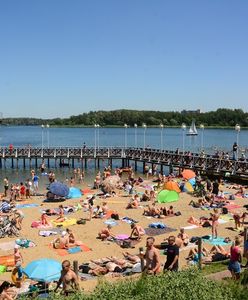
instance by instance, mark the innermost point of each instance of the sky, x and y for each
(65, 57)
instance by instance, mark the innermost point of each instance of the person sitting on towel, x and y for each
(137, 231)
(183, 236)
(61, 242)
(105, 233)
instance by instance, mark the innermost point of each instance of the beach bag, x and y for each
(178, 213)
(224, 210)
(115, 217)
(194, 239)
(126, 244)
(81, 221)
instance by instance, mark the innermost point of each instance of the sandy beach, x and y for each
(87, 233)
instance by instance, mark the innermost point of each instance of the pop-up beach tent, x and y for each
(166, 196)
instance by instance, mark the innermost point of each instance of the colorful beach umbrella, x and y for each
(74, 193)
(172, 186)
(59, 189)
(166, 196)
(188, 187)
(188, 174)
(44, 269)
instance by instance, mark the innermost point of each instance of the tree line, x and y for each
(222, 117)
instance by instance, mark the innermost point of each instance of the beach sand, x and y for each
(87, 233)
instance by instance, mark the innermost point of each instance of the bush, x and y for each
(184, 285)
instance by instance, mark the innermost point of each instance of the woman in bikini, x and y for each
(215, 217)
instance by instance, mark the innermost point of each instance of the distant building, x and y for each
(188, 112)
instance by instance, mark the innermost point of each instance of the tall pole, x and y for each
(161, 136)
(135, 135)
(237, 128)
(42, 136)
(95, 125)
(144, 126)
(183, 130)
(125, 136)
(48, 141)
(202, 130)
(98, 139)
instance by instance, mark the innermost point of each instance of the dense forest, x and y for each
(220, 118)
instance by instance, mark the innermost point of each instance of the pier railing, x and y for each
(153, 156)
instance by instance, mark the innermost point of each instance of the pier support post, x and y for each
(161, 169)
(36, 162)
(24, 163)
(85, 163)
(12, 163)
(135, 165)
(73, 165)
(98, 163)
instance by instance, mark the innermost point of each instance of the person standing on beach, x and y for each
(69, 279)
(215, 217)
(235, 259)
(172, 252)
(36, 183)
(6, 186)
(235, 151)
(152, 257)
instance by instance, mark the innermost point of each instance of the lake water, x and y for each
(168, 138)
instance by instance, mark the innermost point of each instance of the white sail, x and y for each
(192, 129)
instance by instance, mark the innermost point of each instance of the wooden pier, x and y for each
(69, 156)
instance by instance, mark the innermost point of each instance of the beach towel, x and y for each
(122, 236)
(110, 222)
(191, 227)
(27, 205)
(232, 206)
(157, 225)
(66, 223)
(24, 243)
(64, 252)
(37, 224)
(88, 191)
(216, 241)
(158, 231)
(7, 246)
(128, 220)
(46, 233)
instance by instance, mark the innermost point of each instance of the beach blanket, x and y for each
(110, 222)
(28, 205)
(66, 223)
(216, 241)
(158, 231)
(64, 252)
(128, 220)
(7, 246)
(88, 191)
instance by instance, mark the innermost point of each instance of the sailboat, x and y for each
(192, 129)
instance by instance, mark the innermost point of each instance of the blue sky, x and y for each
(65, 57)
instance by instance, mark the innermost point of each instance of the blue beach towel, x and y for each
(218, 241)
(157, 225)
(110, 222)
(27, 205)
(74, 250)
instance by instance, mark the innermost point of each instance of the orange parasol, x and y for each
(172, 186)
(188, 174)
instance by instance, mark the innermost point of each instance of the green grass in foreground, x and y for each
(184, 285)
